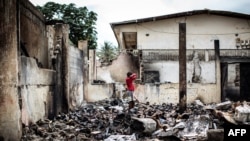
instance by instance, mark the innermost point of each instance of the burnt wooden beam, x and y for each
(182, 67)
(220, 77)
(217, 49)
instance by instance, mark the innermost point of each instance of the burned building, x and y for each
(199, 54)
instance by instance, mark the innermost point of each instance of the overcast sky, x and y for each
(122, 10)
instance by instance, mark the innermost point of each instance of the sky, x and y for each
(110, 11)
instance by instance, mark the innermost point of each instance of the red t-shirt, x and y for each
(129, 82)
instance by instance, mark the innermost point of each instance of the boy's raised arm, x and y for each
(133, 76)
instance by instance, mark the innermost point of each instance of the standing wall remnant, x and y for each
(31, 88)
(9, 99)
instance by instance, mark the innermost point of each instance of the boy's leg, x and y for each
(134, 98)
(129, 95)
(131, 100)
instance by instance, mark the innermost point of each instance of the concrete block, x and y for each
(242, 113)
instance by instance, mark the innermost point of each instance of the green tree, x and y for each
(107, 53)
(81, 21)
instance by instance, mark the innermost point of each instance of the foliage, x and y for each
(107, 53)
(81, 21)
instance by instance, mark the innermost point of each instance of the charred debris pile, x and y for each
(110, 120)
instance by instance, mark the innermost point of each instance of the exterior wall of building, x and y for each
(201, 31)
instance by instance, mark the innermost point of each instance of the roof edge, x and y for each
(181, 14)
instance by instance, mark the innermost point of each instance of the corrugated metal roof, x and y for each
(182, 14)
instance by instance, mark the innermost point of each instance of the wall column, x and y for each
(61, 96)
(83, 45)
(182, 68)
(92, 65)
(218, 68)
(10, 115)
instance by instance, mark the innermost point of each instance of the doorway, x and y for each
(235, 83)
(244, 81)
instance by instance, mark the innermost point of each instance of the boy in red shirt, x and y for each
(130, 87)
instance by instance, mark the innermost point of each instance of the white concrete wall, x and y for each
(76, 78)
(98, 92)
(169, 93)
(36, 90)
(34, 103)
(92, 65)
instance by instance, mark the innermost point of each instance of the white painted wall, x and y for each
(169, 71)
(201, 31)
(208, 74)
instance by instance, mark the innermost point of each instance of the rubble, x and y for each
(121, 138)
(145, 125)
(242, 113)
(111, 120)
